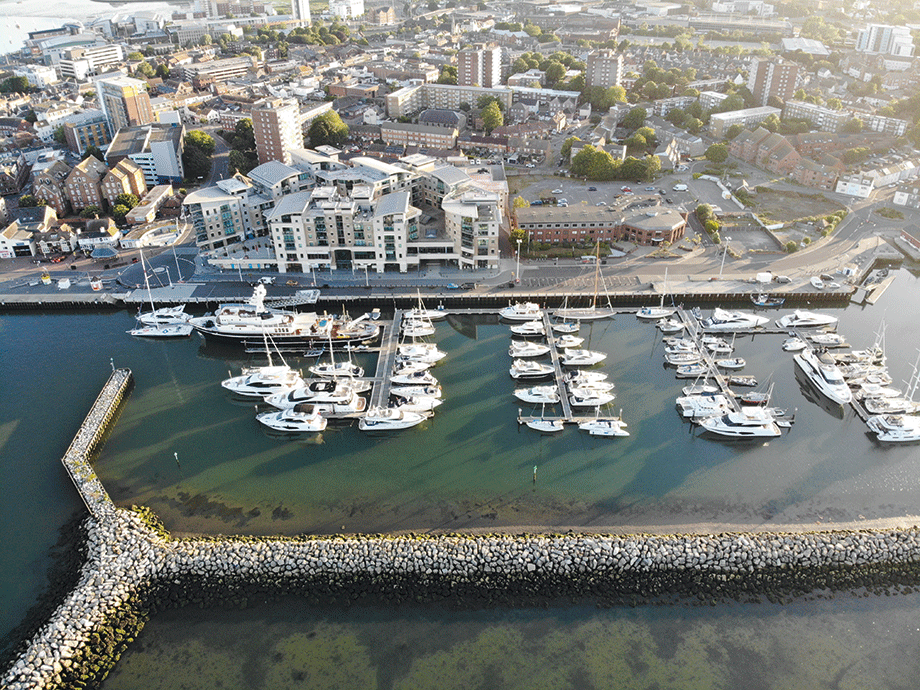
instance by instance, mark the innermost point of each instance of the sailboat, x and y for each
(335, 369)
(593, 312)
(661, 311)
(170, 322)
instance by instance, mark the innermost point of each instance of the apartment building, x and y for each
(83, 61)
(86, 129)
(124, 102)
(772, 78)
(446, 96)
(125, 178)
(886, 40)
(155, 148)
(829, 120)
(479, 66)
(83, 184)
(276, 127)
(720, 122)
(203, 74)
(605, 68)
(409, 134)
(48, 185)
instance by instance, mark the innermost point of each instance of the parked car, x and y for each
(557, 191)
(592, 189)
(536, 202)
(649, 189)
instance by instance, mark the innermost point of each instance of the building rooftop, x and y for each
(271, 173)
(289, 204)
(388, 204)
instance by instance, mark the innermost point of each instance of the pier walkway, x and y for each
(88, 438)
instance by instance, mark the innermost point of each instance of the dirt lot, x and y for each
(785, 206)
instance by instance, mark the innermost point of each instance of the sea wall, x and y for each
(134, 569)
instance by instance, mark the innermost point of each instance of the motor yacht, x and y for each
(409, 366)
(749, 422)
(794, 344)
(415, 328)
(568, 340)
(522, 311)
(806, 319)
(670, 325)
(895, 428)
(527, 349)
(419, 378)
(828, 339)
(547, 395)
(544, 426)
(416, 391)
(573, 357)
(700, 388)
(733, 363)
(601, 426)
(303, 418)
(339, 391)
(379, 419)
(580, 377)
(703, 405)
(262, 381)
(415, 403)
(164, 316)
(893, 405)
(824, 375)
(248, 322)
(527, 369)
(529, 329)
(423, 351)
(176, 330)
(725, 320)
(586, 397)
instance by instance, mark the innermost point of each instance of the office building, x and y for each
(300, 12)
(605, 68)
(480, 66)
(124, 102)
(771, 77)
(277, 130)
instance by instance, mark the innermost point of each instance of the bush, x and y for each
(806, 241)
(697, 176)
(791, 247)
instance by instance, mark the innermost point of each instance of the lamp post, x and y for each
(160, 269)
(517, 273)
(724, 252)
(367, 282)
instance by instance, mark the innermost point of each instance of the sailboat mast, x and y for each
(597, 270)
(147, 283)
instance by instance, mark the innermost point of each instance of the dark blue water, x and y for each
(470, 466)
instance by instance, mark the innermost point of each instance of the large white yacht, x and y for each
(547, 395)
(380, 419)
(601, 426)
(527, 349)
(526, 369)
(164, 316)
(529, 328)
(895, 428)
(339, 391)
(427, 352)
(336, 369)
(249, 321)
(522, 311)
(166, 330)
(421, 403)
(823, 372)
(419, 378)
(806, 319)
(305, 418)
(262, 381)
(423, 391)
(568, 340)
(589, 397)
(749, 422)
(574, 357)
(703, 405)
(725, 320)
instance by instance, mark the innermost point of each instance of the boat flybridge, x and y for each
(545, 395)
(806, 319)
(164, 316)
(522, 311)
(895, 428)
(303, 418)
(703, 405)
(264, 381)
(725, 320)
(339, 392)
(749, 422)
(529, 329)
(380, 419)
(528, 369)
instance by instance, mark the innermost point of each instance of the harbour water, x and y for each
(203, 464)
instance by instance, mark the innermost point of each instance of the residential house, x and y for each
(98, 232)
(48, 185)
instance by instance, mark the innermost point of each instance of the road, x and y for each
(220, 160)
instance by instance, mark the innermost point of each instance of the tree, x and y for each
(483, 102)
(852, 126)
(704, 212)
(119, 212)
(243, 137)
(30, 201)
(15, 85)
(567, 146)
(520, 202)
(492, 117)
(448, 75)
(733, 131)
(328, 130)
(635, 118)
(59, 135)
(206, 40)
(135, 56)
(717, 153)
(92, 211)
(694, 125)
(834, 103)
(632, 169)
(554, 72)
(162, 71)
(127, 199)
(652, 168)
(144, 70)
(196, 162)
(712, 226)
(93, 151)
(649, 134)
(242, 161)
(200, 140)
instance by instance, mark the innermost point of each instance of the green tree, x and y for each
(448, 75)
(30, 201)
(717, 153)
(704, 212)
(196, 162)
(59, 135)
(834, 103)
(567, 146)
(712, 226)
(554, 72)
(15, 85)
(93, 151)
(492, 117)
(243, 137)
(119, 212)
(127, 199)
(200, 140)
(242, 161)
(520, 202)
(162, 71)
(852, 126)
(693, 125)
(733, 132)
(635, 118)
(92, 211)
(649, 134)
(135, 55)
(328, 130)
(483, 102)
(144, 70)
(652, 168)
(633, 169)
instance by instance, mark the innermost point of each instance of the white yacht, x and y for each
(725, 320)
(336, 369)
(527, 369)
(339, 391)
(545, 426)
(573, 357)
(691, 371)
(703, 405)
(895, 428)
(409, 366)
(825, 375)
(586, 397)
(164, 316)
(262, 381)
(527, 349)
(420, 313)
(416, 328)
(580, 377)
(673, 344)
(175, 330)
(547, 395)
(419, 378)
(806, 319)
(565, 327)
(568, 340)
(828, 339)
(892, 405)
(242, 322)
(733, 363)
(718, 346)
(603, 426)
(390, 419)
(602, 386)
(417, 391)
(749, 422)
(794, 344)
(653, 313)
(700, 387)
(670, 325)
(681, 358)
(303, 418)
(414, 403)
(529, 328)
(522, 311)
(424, 351)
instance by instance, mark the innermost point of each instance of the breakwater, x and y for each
(134, 568)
